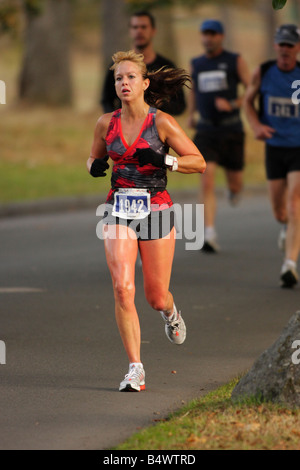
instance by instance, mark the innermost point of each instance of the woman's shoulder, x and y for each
(105, 118)
(164, 119)
(103, 121)
(166, 125)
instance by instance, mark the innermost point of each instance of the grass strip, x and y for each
(214, 422)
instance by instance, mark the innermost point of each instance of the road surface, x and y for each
(64, 357)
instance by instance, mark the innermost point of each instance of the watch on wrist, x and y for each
(171, 162)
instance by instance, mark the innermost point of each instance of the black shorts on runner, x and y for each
(281, 160)
(158, 224)
(224, 148)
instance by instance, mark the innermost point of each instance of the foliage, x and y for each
(34, 7)
(150, 4)
(9, 15)
(11, 10)
(278, 4)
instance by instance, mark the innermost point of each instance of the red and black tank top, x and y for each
(126, 172)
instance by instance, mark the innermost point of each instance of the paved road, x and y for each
(64, 357)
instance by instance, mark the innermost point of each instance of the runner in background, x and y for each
(142, 30)
(277, 122)
(216, 75)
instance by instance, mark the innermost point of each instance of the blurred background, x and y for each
(53, 58)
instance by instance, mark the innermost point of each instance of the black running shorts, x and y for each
(281, 160)
(158, 224)
(224, 148)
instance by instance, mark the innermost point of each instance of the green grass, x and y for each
(21, 182)
(214, 422)
(44, 153)
(29, 180)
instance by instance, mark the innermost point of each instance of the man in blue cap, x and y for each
(216, 75)
(277, 122)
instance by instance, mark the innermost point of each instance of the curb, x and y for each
(74, 203)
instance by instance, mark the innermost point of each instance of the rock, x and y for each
(275, 375)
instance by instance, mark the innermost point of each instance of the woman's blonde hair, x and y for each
(132, 56)
(165, 83)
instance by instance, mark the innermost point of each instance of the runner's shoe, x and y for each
(176, 329)
(134, 381)
(288, 276)
(282, 238)
(210, 240)
(233, 198)
(211, 246)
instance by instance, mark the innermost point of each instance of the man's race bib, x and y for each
(212, 81)
(282, 107)
(131, 203)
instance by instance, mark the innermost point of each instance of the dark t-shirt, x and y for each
(110, 102)
(216, 76)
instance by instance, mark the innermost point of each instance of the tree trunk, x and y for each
(115, 26)
(226, 18)
(270, 23)
(45, 76)
(294, 11)
(165, 40)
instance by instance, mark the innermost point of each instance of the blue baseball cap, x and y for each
(212, 25)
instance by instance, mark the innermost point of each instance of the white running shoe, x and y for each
(176, 329)
(282, 238)
(288, 276)
(134, 381)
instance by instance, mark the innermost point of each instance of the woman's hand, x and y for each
(146, 156)
(99, 166)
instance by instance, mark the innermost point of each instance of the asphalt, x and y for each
(64, 357)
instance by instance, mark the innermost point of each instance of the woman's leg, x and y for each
(121, 248)
(157, 259)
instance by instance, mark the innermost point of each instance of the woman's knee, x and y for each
(158, 300)
(124, 292)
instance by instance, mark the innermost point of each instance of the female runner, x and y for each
(139, 214)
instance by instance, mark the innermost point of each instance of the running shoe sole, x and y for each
(210, 248)
(288, 279)
(129, 388)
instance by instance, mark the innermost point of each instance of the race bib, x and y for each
(131, 203)
(282, 107)
(212, 81)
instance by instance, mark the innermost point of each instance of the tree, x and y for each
(45, 75)
(114, 29)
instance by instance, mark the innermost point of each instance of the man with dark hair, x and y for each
(142, 30)
(277, 122)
